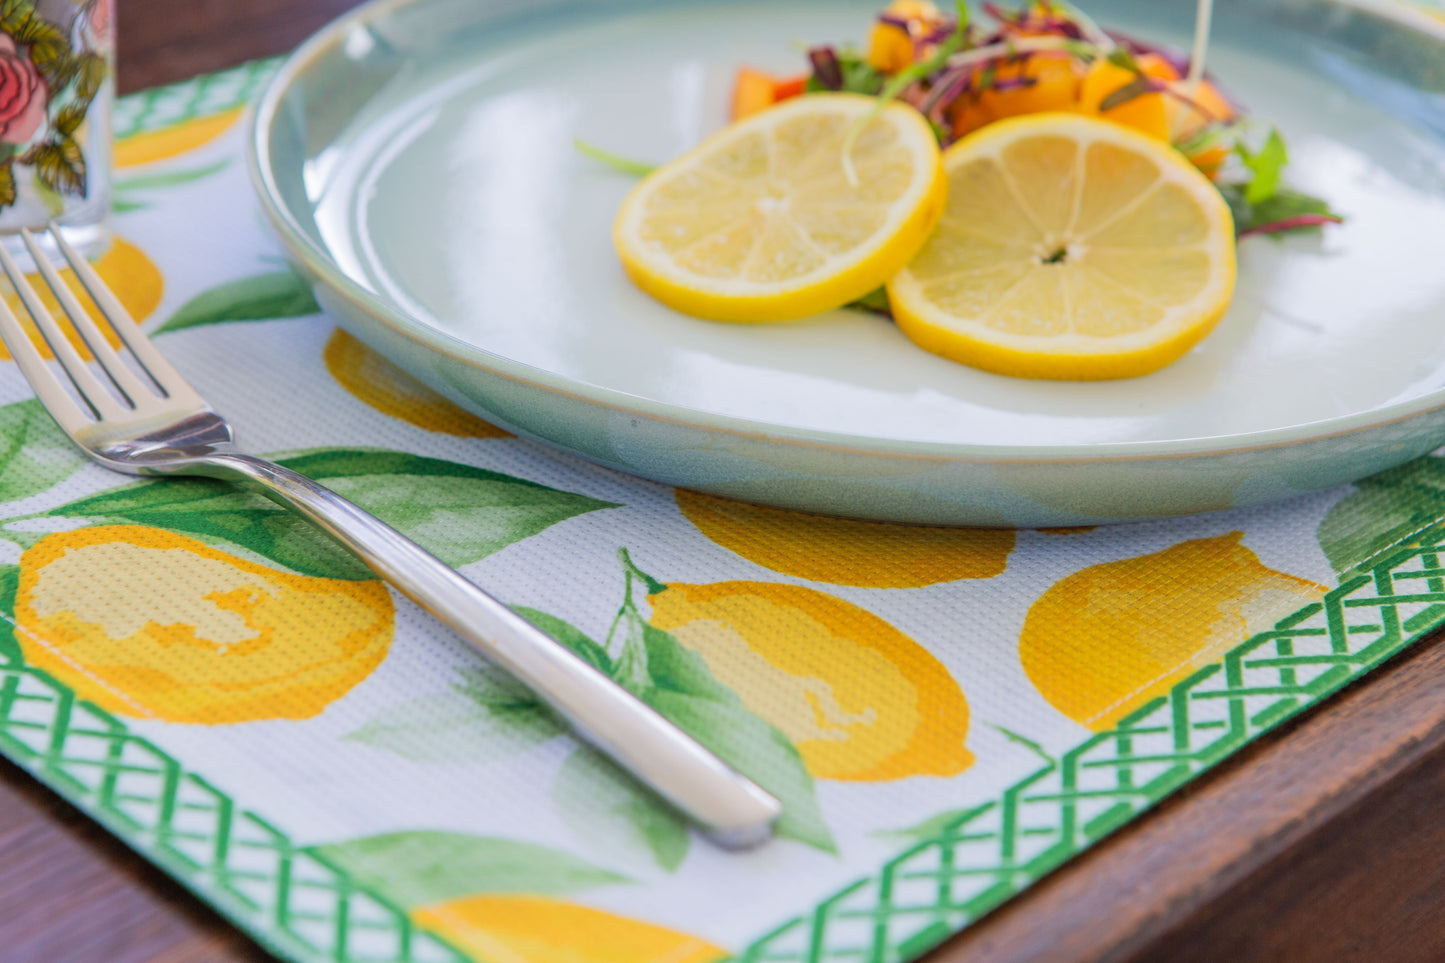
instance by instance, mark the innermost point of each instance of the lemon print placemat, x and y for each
(946, 714)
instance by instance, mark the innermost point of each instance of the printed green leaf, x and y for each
(601, 804)
(570, 636)
(9, 583)
(484, 716)
(145, 182)
(34, 455)
(423, 868)
(678, 683)
(265, 297)
(686, 692)
(459, 513)
(1382, 511)
(935, 826)
(124, 198)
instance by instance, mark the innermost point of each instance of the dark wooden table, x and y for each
(1322, 842)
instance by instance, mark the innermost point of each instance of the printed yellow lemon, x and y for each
(761, 222)
(372, 379)
(843, 551)
(861, 701)
(1071, 248)
(1108, 639)
(145, 622)
(150, 146)
(536, 929)
(131, 275)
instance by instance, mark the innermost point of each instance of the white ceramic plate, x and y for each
(417, 159)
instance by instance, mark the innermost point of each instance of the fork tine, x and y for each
(137, 392)
(166, 377)
(101, 401)
(43, 382)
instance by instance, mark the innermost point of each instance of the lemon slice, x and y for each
(1071, 248)
(761, 223)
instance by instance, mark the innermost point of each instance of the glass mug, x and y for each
(56, 91)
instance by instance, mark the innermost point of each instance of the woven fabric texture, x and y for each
(946, 714)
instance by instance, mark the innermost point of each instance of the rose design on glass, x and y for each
(97, 23)
(23, 95)
(47, 86)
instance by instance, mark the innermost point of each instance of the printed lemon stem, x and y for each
(625, 642)
(1026, 742)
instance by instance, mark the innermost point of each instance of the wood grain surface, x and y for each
(1322, 842)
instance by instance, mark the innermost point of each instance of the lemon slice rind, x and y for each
(758, 223)
(978, 293)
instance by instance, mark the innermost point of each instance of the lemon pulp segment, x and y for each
(762, 223)
(1070, 248)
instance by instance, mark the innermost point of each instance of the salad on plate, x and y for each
(1022, 191)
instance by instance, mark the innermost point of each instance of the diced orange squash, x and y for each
(1148, 113)
(756, 90)
(789, 87)
(1055, 86)
(891, 47)
(752, 92)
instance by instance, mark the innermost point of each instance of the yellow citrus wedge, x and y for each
(761, 223)
(1071, 248)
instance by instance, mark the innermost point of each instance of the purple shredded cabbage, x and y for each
(826, 69)
(1291, 224)
(1014, 83)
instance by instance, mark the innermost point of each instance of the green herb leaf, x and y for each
(875, 302)
(424, 868)
(265, 297)
(901, 81)
(620, 164)
(1267, 165)
(1134, 89)
(1121, 57)
(1282, 206)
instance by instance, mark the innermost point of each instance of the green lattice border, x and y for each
(301, 907)
(204, 96)
(988, 854)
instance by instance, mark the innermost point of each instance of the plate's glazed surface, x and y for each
(417, 158)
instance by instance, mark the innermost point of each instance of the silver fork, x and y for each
(165, 428)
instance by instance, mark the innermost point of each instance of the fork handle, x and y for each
(730, 808)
